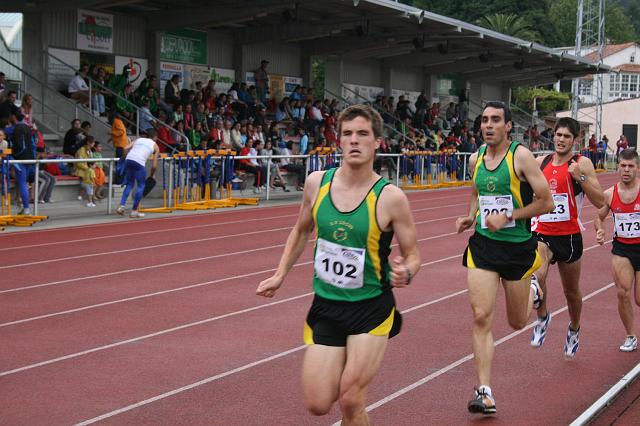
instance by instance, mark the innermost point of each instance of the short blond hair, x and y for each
(364, 111)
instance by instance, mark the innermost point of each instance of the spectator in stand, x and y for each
(73, 138)
(180, 135)
(98, 103)
(84, 172)
(316, 113)
(200, 116)
(215, 134)
(262, 82)
(296, 95)
(261, 116)
(125, 105)
(252, 166)
(78, 89)
(298, 111)
(226, 135)
(8, 106)
(276, 178)
(331, 135)
(189, 120)
(212, 117)
(290, 164)
(178, 113)
(150, 82)
(196, 136)
(4, 144)
(210, 94)
(304, 140)
(239, 107)
(151, 96)
(146, 119)
(3, 82)
(118, 135)
(166, 141)
(236, 137)
(27, 111)
(172, 93)
(22, 149)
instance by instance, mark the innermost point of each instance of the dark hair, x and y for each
(151, 133)
(85, 124)
(568, 123)
(629, 154)
(499, 105)
(19, 116)
(364, 111)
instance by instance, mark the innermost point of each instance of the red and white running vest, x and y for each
(626, 219)
(567, 197)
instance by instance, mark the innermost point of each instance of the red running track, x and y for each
(156, 322)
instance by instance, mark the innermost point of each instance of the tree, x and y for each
(512, 25)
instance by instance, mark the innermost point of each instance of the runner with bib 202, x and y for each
(501, 249)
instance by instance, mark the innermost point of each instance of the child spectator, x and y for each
(88, 181)
(3, 141)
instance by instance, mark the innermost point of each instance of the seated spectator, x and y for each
(216, 133)
(3, 82)
(200, 116)
(290, 164)
(166, 141)
(296, 95)
(210, 95)
(172, 91)
(195, 136)
(125, 104)
(316, 112)
(27, 111)
(276, 179)
(98, 102)
(282, 110)
(250, 165)
(73, 138)
(261, 116)
(236, 137)
(3, 141)
(151, 97)
(239, 107)
(180, 136)
(178, 114)
(146, 119)
(8, 105)
(189, 120)
(78, 89)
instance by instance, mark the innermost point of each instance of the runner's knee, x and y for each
(317, 406)
(481, 316)
(517, 323)
(352, 400)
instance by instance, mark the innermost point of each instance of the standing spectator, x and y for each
(83, 171)
(23, 149)
(78, 89)
(27, 111)
(119, 135)
(304, 140)
(262, 82)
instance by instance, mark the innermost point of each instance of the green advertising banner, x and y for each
(187, 46)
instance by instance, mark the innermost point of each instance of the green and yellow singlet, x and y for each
(351, 251)
(500, 191)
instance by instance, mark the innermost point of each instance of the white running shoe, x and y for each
(572, 343)
(120, 210)
(136, 214)
(540, 331)
(483, 402)
(538, 295)
(630, 344)
(91, 205)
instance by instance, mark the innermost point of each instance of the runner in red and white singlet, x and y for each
(570, 178)
(623, 200)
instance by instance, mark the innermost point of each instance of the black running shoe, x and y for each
(483, 403)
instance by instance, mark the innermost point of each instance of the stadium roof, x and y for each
(397, 34)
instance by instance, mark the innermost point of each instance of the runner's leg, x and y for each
(623, 276)
(321, 371)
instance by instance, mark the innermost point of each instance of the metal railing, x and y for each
(386, 125)
(93, 84)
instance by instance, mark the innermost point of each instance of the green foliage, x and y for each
(512, 25)
(554, 21)
(547, 101)
(317, 75)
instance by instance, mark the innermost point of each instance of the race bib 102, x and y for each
(338, 265)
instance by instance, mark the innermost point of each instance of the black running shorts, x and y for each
(330, 322)
(512, 261)
(630, 251)
(565, 248)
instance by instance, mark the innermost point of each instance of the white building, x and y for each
(623, 82)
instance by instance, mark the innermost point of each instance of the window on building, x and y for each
(586, 87)
(633, 83)
(632, 59)
(624, 87)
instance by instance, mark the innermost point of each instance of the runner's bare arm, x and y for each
(528, 169)
(407, 265)
(590, 186)
(602, 215)
(465, 222)
(154, 160)
(297, 239)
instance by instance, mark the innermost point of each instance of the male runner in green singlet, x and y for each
(356, 213)
(506, 175)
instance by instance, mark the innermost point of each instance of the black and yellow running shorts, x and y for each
(512, 261)
(630, 251)
(330, 322)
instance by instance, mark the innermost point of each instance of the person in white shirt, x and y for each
(78, 89)
(135, 173)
